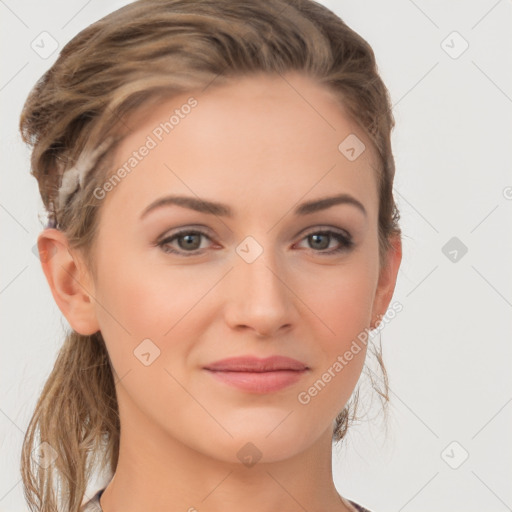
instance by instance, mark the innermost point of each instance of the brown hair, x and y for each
(142, 51)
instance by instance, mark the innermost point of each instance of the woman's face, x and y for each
(183, 285)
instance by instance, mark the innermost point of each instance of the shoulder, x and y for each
(92, 505)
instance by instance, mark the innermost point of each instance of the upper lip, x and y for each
(255, 364)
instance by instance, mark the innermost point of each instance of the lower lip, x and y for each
(259, 382)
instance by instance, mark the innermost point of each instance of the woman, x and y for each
(222, 236)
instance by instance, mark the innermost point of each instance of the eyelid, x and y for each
(316, 229)
(208, 232)
(185, 229)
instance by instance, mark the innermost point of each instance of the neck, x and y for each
(157, 472)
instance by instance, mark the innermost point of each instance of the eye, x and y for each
(189, 241)
(321, 240)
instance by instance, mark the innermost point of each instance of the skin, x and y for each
(259, 147)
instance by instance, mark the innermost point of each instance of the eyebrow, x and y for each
(223, 210)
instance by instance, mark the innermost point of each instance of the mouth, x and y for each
(259, 382)
(256, 364)
(255, 375)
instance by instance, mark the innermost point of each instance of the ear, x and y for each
(71, 285)
(387, 280)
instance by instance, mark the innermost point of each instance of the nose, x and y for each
(259, 297)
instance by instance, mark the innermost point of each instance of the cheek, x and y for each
(342, 300)
(341, 303)
(342, 314)
(139, 301)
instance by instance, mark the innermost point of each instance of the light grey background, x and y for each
(448, 352)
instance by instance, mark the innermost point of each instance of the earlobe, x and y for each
(71, 289)
(387, 280)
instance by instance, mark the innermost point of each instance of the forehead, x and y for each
(260, 137)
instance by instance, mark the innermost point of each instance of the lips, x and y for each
(256, 375)
(256, 365)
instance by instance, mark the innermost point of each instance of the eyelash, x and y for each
(346, 242)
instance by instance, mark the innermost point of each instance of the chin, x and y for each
(263, 440)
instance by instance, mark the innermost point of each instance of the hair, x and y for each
(144, 51)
